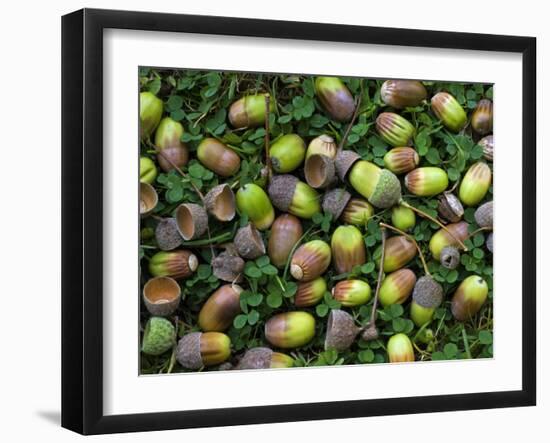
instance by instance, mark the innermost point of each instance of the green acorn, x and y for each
(482, 117)
(161, 296)
(286, 231)
(175, 264)
(254, 202)
(218, 157)
(348, 248)
(403, 218)
(310, 293)
(310, 260)
(335, 98)
(469, 297)
(357, 212)
(323, 145)
(220, 309)
(379, 186)
(287, 153)
(403, 93)
(397, 287)
(264, 358)
(421, 315)
(401, 160)
(400, 349)
(168, 140)
(159, 336)
(427, 181)
(290, 329)
(147, 170)
(289, 194)
(442, 238)
(280, 360)
(199, 349)
(351, 293)
(399, 251)
(150, 113)
(394, 129)
(475, 184)
(249, 111)
(449, 111)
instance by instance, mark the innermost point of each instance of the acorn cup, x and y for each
(310, 293)
(450, 257)
(379, 186)
(482, 117)
(199, 349)
(310, 260)
(343, 162)
(450, 208)
(220, 202)
(264, 358)
(249, 242)
(357, 212)
(249, 111)
(426, 181)
(176, 264)
(348, 248)
(288, 194)
(335, 98)
(323, 145)
(147, 170)
(167, 235)
(254, 202)
(217, 157)
(287, 153)
(335, 201)
(400, 349)
(228, 266)
(397, 287)
(290, 329)
(403, 217)
(319, 171)
(401, 160)
(148, 199)
(489, 242)
(191, 220)
(442, 238)
(341, 330)
(221, 308)
(447, 109)
(403, 93)
(394, 129)
(351, 293)
(168, 141)
(427, 296)
(469, 297)
(488, 145)
(159, 336)
(286, 231)
(399, 251)
(161, 296)
(150, 113)
(475, 184)
(484, 215)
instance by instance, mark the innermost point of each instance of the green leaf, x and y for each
(438, 356)
(321, 310)
(254, 299)
(252, 271)
(239, 321)
(274, 300)
(452, 276)
(450, 350)
(269, 270)
(204, 271)
(366, 356)
(253, 317)
(398, 324)
(367, 268)
(485, 337)
(396, 310)
(262, 261)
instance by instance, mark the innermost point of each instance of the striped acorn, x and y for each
(287, 153)
(218, 157)
(484, 215)
(290, 329)
(341, 330)
(488, 145)
(448, 110)
(352, 293)
(150, 113)
(254, 202)
(264, 358)
(199, 349)
(147, 170)
(482, 117)
(175, 264)
(221, 308)
(394, 129)
(379, 186)
(335, 98)
(399, 251)
(348, 248)
(403, 93)
(397, 287)
(168, 140)
(403, 218)
(427, 181)
(357, 212)
(161, 296)
(310, 260)
(249, 111)
(289, 194)
(310, 293)
(159, 336)
(323, 145)
(148, 199)
(475, 184)
(400, 349)
(401, 160)
(286, 231)
(469, 297)
(442, 238)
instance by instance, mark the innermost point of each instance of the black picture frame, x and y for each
(82, 218)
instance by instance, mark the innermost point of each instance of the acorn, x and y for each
(343, 162)
(394, 129)
(475, 184)
(228, 267)
(427, 181)
(310, 260)
(167, 235)
(341, 330)
(421, 315)
(335, 201)
(168, 140)
(249, 242)
(319, 171)
(484, 215)
(489, 242)
(400, 349)
(351, 293)
(379, 186)
(335, 98)
(399, 251)
(447, 109)
(290, 329)
(403, 93)
(324, 145)
(220, 202)
(191, 220)
(348, 248)
(264, 358)
(161, 296)
(199, 349)
(450, 208)
(172, 155)
(148, 199)
(287, 153)
(482, 117)
(218, 157)
(357, 212)
(286, 231)
(449, 257)
(159, 336)
(310, 293)
(403, 218)
(220, 309)
(469, 297)
(442, 238)
(147, 170)
(401, 160)
(150, 113)
(488, 145)
(289, 194)
(427, 292)
(249, 111)
(397, 287)
(254, 202)
(175, 264)
(280, 360)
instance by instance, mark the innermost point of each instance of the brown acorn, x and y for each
(192, 220)
(357, 212)
(286, 231)
(319, 171)
(401, 160)
(399, 251)
(172, 155)
(161, 296)
(175, 264)
(348, 248)
(450, 207)
(351, 293)
(310, 293)
(218, 157)
(442, 237)
(484, 215)
(334, 201)
(469, 297)
(482, 117)
(220, 202)
(167, 235)
(249, 111)
(310, 260)
(249, 242)
(173, 152)
(228, 267)
(199, 349)
(335, 98)
(221, 308)
(403, 93)
(148, 199)
(341, 330)
(488, 145)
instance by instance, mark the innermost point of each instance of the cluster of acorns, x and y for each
(322, 185)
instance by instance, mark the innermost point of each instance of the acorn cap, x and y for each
(249, 242)
(489, 242)
(158, 337)
(344, 161)
(256, 358)
(427, 292)
(281, 191)
(188, 353)
(191, 220)
(341, 330)
(167, 234)
(450, 207)
(228, 267)
(335, 201)
(220, 202)
(387, 191)
(319, 171)
(148, 199)
(450, 257)
(161, 296)
(484, 215)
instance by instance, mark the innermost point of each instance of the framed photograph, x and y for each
(273, 221)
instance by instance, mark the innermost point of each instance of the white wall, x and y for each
(30, 250)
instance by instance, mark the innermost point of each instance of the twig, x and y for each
(352, 121)
(411, 238)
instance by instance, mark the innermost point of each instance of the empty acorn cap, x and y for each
(161, 296)
(450, 257)
(220, 202)
(249, 242)
(228, 267)
(341, 330)
(319, 171)
(167, 234)
(189, 351)
(192, 220)
(256, 358)
(281, 191)
(484, 215)
(427, 292)
(148, 199)
(335, 201)
(344, 161)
